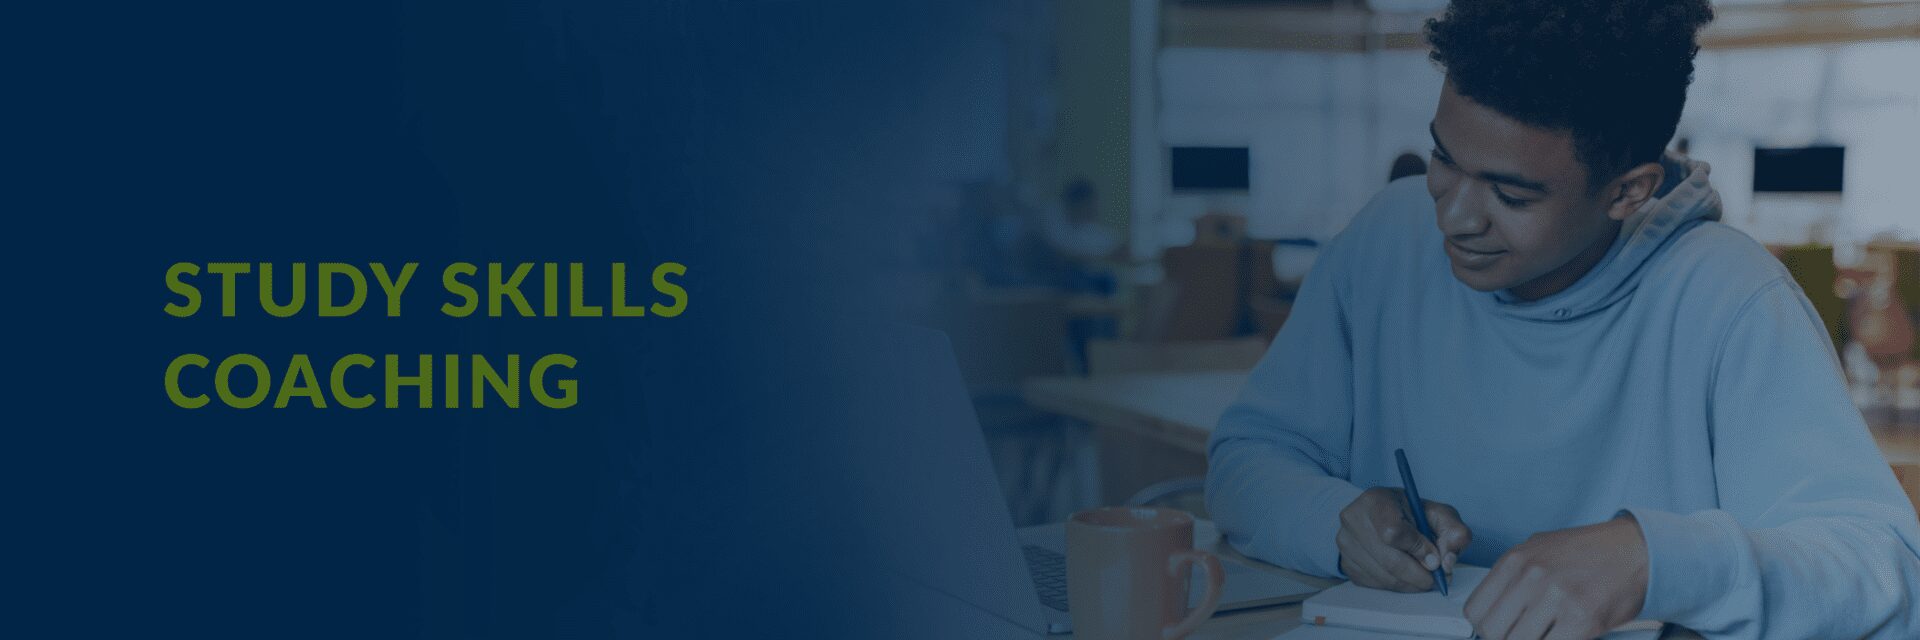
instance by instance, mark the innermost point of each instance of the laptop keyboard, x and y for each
(1049, 570)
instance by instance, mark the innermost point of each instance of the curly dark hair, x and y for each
(1613, 73)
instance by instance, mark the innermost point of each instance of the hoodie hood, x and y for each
(1684, 200)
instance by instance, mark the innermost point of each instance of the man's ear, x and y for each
(1634, 188)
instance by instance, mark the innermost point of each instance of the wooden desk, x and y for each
(1136, 417)
(1180, 409)
(1268, 622)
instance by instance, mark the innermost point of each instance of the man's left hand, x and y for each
(1571, 584)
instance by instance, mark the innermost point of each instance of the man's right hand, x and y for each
(1381, 548)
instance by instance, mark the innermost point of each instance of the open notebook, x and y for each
(1350, 611)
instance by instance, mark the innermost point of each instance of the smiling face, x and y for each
(1513, 201)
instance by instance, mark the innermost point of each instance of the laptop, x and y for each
(942, 503)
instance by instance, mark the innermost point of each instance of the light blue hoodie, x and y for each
(1685, 379)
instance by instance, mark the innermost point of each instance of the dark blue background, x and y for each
(769, 146)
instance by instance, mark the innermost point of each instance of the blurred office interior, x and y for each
(1154, 178)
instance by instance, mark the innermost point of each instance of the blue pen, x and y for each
(1419, 509)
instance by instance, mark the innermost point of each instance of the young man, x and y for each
(1626, 408)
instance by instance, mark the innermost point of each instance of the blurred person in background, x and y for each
(1073, 229)
(1090, 252)
(1003, 247)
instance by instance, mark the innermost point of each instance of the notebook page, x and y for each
(1352, 611)
(1426, 614)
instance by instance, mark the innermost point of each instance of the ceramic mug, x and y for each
(1127, 571)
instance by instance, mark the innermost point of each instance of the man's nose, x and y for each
(1460, 214)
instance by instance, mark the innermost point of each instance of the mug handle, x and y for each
(1216, 578)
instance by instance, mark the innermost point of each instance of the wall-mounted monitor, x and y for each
(1799, 169)
(1209, 169)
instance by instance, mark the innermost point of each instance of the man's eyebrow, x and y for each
(1490, 176)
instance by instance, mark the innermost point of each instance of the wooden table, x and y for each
(1136, 417)
(1180, 409)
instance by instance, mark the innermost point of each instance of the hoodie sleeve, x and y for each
(1278, 460)
(1813, 537)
